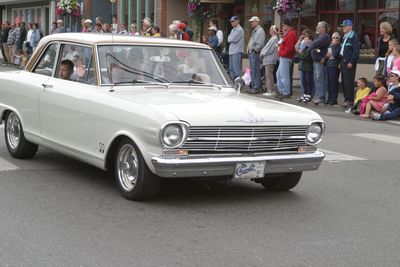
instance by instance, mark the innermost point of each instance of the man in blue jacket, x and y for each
(348, 63)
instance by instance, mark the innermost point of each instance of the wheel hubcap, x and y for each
(128, 167)
(13, 131)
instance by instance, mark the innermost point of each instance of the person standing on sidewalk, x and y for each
(10, 51)
(319, 49)
(3, 40)
(332, 67)
(254, 47)
(286, 54)
(349, 54)
(236, 43)
(269, 56)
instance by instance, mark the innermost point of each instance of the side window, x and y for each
(47, 61)
(82, 59)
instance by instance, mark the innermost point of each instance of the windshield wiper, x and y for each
(197, 82)
(141, 82)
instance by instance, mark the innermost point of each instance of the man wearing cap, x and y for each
(254, 47)
(348, 61)
(286, 54)
(236, 43)
(60, 27)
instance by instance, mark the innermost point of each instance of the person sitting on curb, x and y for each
(376, 100)
(391, 110)
(362, 91)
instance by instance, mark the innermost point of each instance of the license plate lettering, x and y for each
(249, 170)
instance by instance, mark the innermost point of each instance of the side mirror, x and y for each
(238, 84)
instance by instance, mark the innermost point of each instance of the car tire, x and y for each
(283, 182)
(17, 145)
(134, 178)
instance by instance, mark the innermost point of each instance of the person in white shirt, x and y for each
(220, 34)
(29, 38)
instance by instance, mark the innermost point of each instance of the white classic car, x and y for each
(152, 108)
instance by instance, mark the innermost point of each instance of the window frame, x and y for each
(91, 60)
(43, 52)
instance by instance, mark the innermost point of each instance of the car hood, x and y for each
(213, 107)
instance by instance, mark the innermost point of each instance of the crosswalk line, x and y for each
(6, 166)
(332, 156)
(380, 137)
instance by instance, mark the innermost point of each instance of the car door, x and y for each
(25, 90)
(68, 109)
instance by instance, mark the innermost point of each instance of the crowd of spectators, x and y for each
(323, 58)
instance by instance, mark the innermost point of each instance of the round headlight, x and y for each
(314, 134)
(173, 135)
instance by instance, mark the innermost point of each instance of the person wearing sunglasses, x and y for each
(391, 110)
(133, 31)
(332, 64)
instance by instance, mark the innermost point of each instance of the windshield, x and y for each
(141, 64)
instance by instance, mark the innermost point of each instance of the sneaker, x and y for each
(317, 101)
(375, 116)
(269, 94)
(301, 99)
(348, 110)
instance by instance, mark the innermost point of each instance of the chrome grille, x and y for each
(239, 139)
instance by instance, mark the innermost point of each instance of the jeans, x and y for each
(333, 83)
(307, 82)
(255, 71)
(348, 76)
(235, 65)
(320, 80)
(392, 114)
(283, 75)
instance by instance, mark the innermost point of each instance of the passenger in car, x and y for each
(66, 69)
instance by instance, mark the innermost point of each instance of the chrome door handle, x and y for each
(45, 86)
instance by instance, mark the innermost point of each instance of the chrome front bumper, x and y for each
(221, 166)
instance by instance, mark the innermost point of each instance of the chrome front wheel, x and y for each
(134, 178)
(16, 143)
(127, 167)
(13, 131)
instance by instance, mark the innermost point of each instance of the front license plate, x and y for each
(249, 170)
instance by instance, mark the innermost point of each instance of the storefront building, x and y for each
(41, 12)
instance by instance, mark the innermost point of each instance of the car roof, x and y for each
(109, 38)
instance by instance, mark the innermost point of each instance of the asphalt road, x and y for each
(59, 212)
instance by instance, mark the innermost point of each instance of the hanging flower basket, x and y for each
(284, 7)
(68, 7)
(198, 12)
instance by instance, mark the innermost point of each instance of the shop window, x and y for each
(366, 4)
(327, 5)
(366, 29)
(389, 4)
(308, 15)
(347, 5)
(393, 19)
(330, 19)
